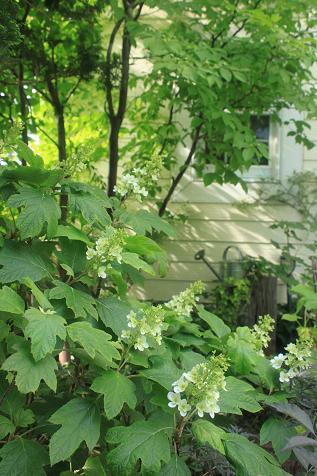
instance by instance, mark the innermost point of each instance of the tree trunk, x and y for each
(113, 156)
(62, 155)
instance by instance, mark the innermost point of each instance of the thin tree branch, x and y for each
(42, 93)
(46, 134)
(138, 13)
(182, 170)
(71, 92)
(215, 38)
(245, 21)
(169, 122)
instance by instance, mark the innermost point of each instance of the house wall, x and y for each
(216, 220)
(215, 216)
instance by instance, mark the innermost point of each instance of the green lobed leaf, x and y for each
(94, 466)
(117, 389)
(10, 301)
(144, 440)
(72, 233)
(20, 260)
(6, 427)
(113, 313)
(38, 294)
(136, 262)
(144, 222)
(13, 405)
(93, 340)
(33, 175)
(249, 459)
(80, 421)
(82, 304)
(239, 395)
(23, 457)
(26, 153)
(267, 375)
(206, 432)
(73, 254)
(29, 372)
(163, 371)
(90, 202)
(241, 351)
(175, 467)
(43, 328)
(214, 322)
(145, 246)
(278, 432)
(39, 208)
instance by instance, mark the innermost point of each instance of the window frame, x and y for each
(270, 170)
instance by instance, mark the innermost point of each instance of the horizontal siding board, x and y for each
(195, 192)
(229, 211)
(312, 132)
(185, 251)
(235, 232)
(310, 154)
(310, 165)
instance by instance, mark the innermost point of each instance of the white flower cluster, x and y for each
(184, 302)
(261, 333)
(200, 388)
(108, 248)
(138, 181)
(145, 326)
(77, 162)
(130, 185)
(295, 360)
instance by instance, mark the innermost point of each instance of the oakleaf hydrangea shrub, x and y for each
(92, 380)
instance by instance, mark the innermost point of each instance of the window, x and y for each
(267, 132)
(261, 127)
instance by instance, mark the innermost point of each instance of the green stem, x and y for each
(180, 428)
(32, 429)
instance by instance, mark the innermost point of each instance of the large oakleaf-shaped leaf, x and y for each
(249, 459)
(147, 441)
(93, 340)
(23, 457)
(206, 432)
(80, 420)
(40, 208)
(30, 372)
(117, 389)
(82, 304)
(43, 328)
(239, 395)
(91, 202)
(277, 431)
(113, 313)
(10, 301)
(175, 467)
(20, 261)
